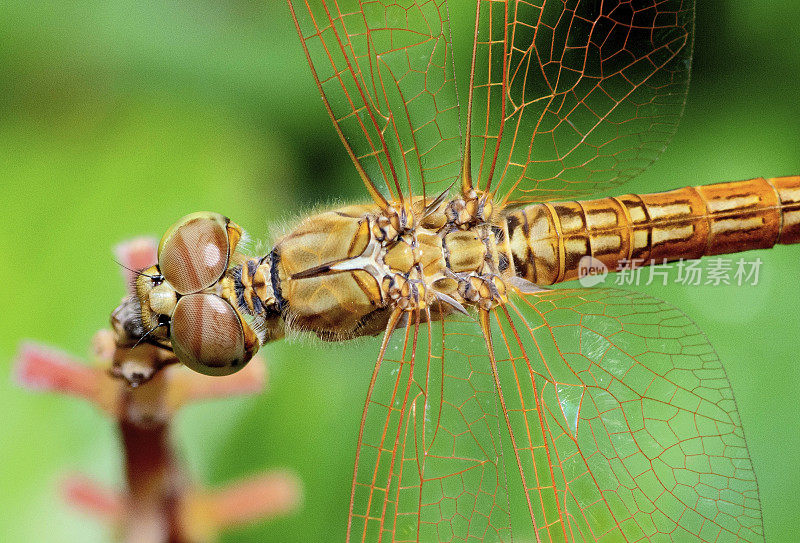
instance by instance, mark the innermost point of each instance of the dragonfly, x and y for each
(605, 412)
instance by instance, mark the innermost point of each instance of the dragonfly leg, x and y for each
(486, 291)
(406, 293)
(471, 209)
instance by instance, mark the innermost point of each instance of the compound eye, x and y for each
(207, 335)
(194, 252)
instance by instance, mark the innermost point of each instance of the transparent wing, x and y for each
(571, 97)
(624, 422)
(428, 465)
(384, 69)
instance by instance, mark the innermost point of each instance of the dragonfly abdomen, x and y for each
(547, 241)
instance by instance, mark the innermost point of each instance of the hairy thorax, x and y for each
(339, 274)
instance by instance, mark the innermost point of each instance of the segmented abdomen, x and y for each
(545, 242)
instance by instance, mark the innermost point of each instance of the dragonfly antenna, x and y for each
(141, 339)
(137, 272)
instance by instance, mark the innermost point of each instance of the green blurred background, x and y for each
(116, 118)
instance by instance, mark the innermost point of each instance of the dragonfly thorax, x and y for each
(340, 274)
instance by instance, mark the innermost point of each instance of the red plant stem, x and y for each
(150, 471)
(160, 505)
(156, 486)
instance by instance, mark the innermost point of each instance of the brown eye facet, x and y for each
(207, 335)
(194, 253)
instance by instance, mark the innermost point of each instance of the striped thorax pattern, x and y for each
(339, 273)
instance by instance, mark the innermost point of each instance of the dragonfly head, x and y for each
(188, 298)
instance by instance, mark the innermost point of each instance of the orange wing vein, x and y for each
(570, 98)
(385, 73)
(623, 421)
(429, 463)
